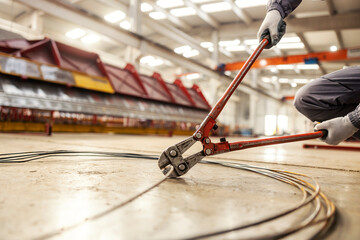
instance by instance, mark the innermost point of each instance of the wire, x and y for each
(310, 191)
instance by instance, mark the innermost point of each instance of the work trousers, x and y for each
(330, 96)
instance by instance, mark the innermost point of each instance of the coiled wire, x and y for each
(311, 193)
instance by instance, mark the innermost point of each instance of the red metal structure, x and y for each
(303, 58)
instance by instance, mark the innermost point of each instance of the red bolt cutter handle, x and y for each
(209, 121)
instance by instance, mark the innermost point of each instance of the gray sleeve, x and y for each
(355, 117)
(285, 7)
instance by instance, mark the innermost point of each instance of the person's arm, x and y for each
(273, 24)
(285, 7)
(341, 128)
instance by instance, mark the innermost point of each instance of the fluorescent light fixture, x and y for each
(75, 33)
(211, 49)
(283, 80)
(229, 43)
(251, 41)
(290, 45)
(250, 3)
(301, 80)
(206, 44)
(290, 40)
(193, 76)
(115, 16)
(333, 48)
(90, 39)
(182, 12)
(216, 7)
(285, 67)
(293, 84)
(157, 15)
(182, 49)
(170, 3)
(146, 59)
(191, 53)
(156, 62)
(125, 25)
(151, 61)
(274, 78)
(237, 48)
(307, 66)
(145, 7)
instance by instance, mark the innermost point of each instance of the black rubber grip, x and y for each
(325, 133)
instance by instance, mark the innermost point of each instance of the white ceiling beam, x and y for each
(203, 15)
(175, 20)
(239, 12)
(323, 23)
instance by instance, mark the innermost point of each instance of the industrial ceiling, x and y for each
(179, 37)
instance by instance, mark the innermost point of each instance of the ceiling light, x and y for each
(75, 33)
(307, 66)
(125, 25)
(206, 44)
(211, 49)
(263, 62)
(333, 48)
(301, 80)
(250, 3)
(170, 3)
(182, 49)
(145, 7)
(290, 45)
(237, 48)
(285, 67)
(216, 7)
(156, 62)
(181, 12)
(229, 43)
(293, 84)
(251, 41)
(193, 76)
(283, 80)
(90, 39)
(146, 59)
(115, 16)
(157, 15)
(191, 53)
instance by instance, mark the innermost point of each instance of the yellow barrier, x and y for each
(40, 127)
(93, 83)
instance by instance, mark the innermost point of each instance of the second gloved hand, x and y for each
(339, 129)
(274, 26)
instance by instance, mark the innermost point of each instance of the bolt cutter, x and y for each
(174, 154)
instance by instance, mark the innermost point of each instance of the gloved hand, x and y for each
(272, 26)
(339, 129)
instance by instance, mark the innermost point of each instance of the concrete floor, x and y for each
(43, 196)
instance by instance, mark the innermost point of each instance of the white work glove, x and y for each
(339, 129)
(272, 27)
